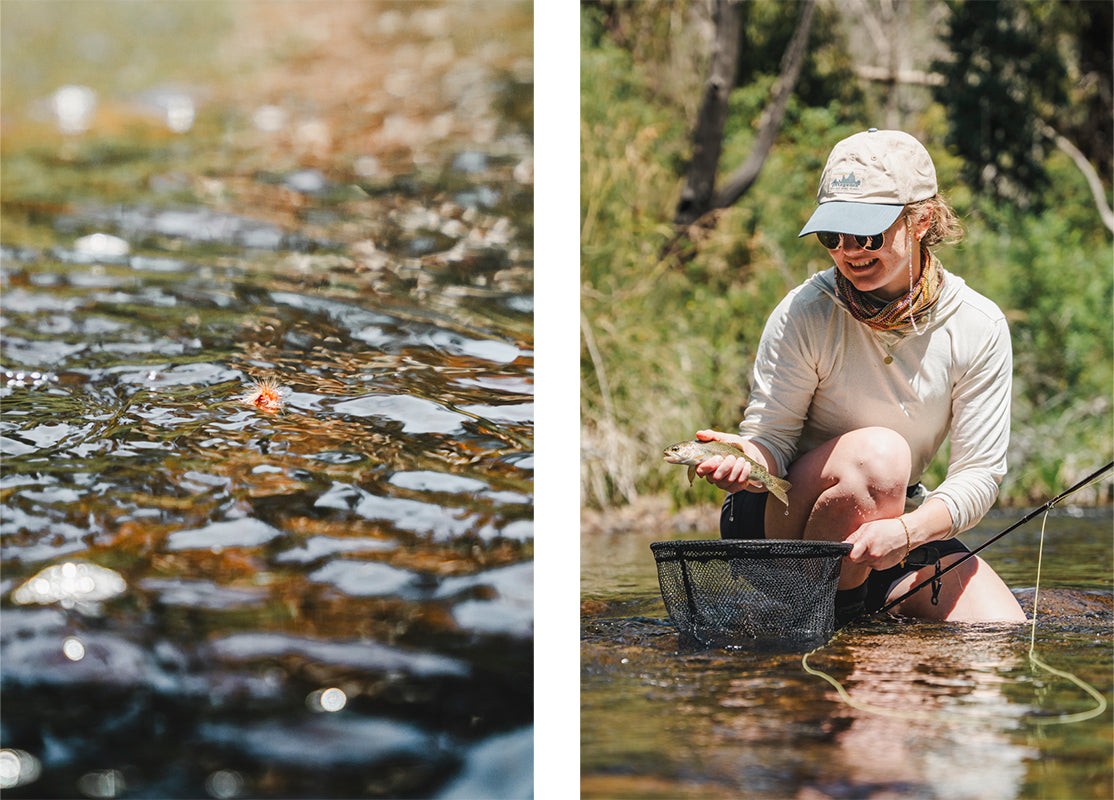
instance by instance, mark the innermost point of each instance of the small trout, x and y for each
(694, 452)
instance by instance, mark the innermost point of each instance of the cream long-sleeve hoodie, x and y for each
(820, 373)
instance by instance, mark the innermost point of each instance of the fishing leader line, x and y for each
(1034, 660)
(1037, 661)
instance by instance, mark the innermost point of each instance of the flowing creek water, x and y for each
(660, 719)
(203, 596)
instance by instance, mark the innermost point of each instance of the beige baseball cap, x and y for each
(868, 180)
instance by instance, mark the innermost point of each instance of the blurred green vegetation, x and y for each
(669, 333)
(110, 46)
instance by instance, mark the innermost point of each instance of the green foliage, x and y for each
(765, 31)
(1051, 275)
(1002, 84)
(670, 332)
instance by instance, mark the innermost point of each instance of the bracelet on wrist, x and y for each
(908, 541)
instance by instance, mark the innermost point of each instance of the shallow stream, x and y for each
(326, 596)
(660, 719)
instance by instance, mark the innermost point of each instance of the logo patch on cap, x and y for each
(848, 183)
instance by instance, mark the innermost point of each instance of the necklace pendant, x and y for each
(888, 360)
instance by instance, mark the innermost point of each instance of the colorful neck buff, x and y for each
(902, 312)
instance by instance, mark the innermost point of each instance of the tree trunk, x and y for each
(707, 139)
(743, 178)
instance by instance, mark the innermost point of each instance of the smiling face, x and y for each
(885, 271)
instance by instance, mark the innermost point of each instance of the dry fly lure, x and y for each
(266, 395)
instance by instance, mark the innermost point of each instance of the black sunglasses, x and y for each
(833, 241)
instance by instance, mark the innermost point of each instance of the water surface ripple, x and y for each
(361, 537)
(202, 596)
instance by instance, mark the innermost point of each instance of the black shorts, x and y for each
(743, 516)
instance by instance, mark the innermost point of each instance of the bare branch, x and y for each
(910, 76)
(1076, 155)
(744, 177)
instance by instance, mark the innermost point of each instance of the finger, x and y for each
(707, 435)
(740, 471)
(708, 466)
(725, 468)
(858, 553)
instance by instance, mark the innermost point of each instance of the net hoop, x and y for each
(697, 549)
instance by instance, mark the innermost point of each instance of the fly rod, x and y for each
(992, 540)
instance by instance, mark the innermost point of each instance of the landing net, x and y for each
(750, 593)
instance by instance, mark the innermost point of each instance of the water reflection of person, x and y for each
(861, 373)
(946, 731)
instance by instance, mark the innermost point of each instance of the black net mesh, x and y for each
(754, 593)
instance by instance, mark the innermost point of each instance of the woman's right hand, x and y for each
(727, 472)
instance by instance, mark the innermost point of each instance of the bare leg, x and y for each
(862, 476)
(972, 592)
(852, 479)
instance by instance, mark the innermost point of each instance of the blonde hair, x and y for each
(944, 227)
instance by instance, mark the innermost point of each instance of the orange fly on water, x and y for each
(266, 395)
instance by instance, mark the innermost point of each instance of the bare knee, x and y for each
(884, 459)
(851, 479)
(872, 462)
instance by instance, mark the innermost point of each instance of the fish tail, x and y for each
(779, 488)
